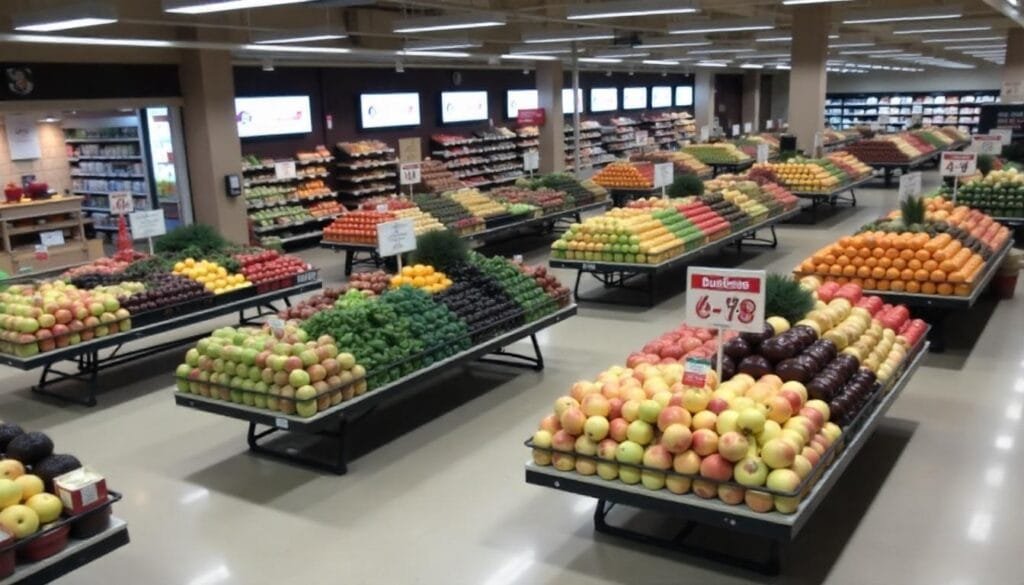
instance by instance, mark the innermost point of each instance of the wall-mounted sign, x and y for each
(531, 116)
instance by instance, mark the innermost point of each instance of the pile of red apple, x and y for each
(271, 266)
(51, 315)
(675, 346)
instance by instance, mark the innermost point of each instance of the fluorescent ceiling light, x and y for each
(78, 15)
(49, 119)
(850, 45)
(207, 6)
(872, 52)
(751, 66)
(525, 57)
(72, 40)
(568, 36)
(942, 29)
(973, 47)
(720, 51)
(768, 56)
(799, 2)
(294, 49)
(725, 25)
(878, 16)
(712, 63)
(635, 8)
(308, 35)
(442, 44)
(782, 67)
(665, 62)
(447, 22)
(614, 55)
(598, 60)
(545, 50)
(962, 39)
(782, 38)
(669, 42)
(442, 54)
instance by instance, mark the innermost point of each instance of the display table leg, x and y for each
(348, 262)
(337, 463)
(517, 360)
(87, 371)
(619, 280)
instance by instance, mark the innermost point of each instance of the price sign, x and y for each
(725, 299)
(51, 239)
(958, 164)
(987, 144)
(762, 153)
(1004, 134)
(705, 133)
(410, 174)
(695, 372)
(735, 130)
(531, 160)
(768, 124)
(664, 174)
(641, 137)
(910, 186)
(121, 203)
(396, 237)
(42, 253)
(148, 224)
(284, 169)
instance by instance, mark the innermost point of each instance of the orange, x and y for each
(962, 290)
(857, 261)
(864, 253)
(914, 264)
(821, 269)
(870, 284)
(842, 280)
(930, 265)
(907, 274)
(863, 272)
(849, 270)
(835, 270)
(872, 262)
(895, 286)
(922, 255)
(892, 253)
(878, 252)
(830, 259)
(898, 264)
(912, 287)
(929, 288)
(937, 276)
(921, 275)
(859, 282)
(945, 289)
(878, 272)
(907, 254)
(892, 274)
(842, 260)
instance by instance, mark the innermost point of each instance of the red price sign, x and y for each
(725, 299)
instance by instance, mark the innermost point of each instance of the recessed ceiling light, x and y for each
(720, 51)
(879, 16)
(598, 10)
(80, 15)
(712, 63)
(73, 40)
(447, 22)
(972, 47)
(308, 35)
(621, 55)
(568, 36)
(872, 52)
(850, 45)
(207, 6)
(541, 50)
(725, 25)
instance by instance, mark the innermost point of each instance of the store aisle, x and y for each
(929, 500)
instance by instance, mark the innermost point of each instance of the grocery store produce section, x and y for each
(754, 450)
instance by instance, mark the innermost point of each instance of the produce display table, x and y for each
(77, 554)
(332, 424)
(839, 144)
(621, 197)
(833, 197)
(935, 308)
(618, 275)
(735, 167)
(888, 168)
(774, 527)
(354, 250)
(86, 355)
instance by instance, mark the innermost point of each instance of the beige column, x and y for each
(807, 76)
(211, 141)
(703, 100)
(552, 137)
(1013, 69)
(752, 99)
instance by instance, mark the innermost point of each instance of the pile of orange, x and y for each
(904, 262)
(625, 175)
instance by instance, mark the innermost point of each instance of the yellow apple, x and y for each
(47, 506)
(10, 493)
(30, 485)
(20, 521)
(11, 469)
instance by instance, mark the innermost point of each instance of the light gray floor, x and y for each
(930, 500)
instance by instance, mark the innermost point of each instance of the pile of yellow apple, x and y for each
(25, 506)
(213, 276)
(803, 176)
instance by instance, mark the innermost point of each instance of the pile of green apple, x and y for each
(55, 314)
(743, 441)
(276, 367)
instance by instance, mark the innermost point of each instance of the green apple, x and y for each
(305, 401)
(298, 378)
(46, 506)
(192, 357)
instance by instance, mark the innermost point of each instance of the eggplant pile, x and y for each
(481, 302)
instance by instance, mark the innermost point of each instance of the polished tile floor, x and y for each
(931, 498)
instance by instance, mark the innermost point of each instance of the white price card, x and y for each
(410, 174)
(910, 185)
(121, 203)
(987, 144)
(396, 237)
(1004, 134)
(735, 130)
(762, 153)
(42, 252)
(51, 239)
(705, 133)
(958, 164)
(748, 127)
(148, 224)
(284, 169)
(664, 174)
(531, 160)
(726, 299)
(769, 124)
(640, 137)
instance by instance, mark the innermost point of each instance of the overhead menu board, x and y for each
(568, 104)
(389, 110)
(517, 99)
(661, 96)
(273, 116)
(634, 98)
(463, 106)
(604, 99)
(684, 95)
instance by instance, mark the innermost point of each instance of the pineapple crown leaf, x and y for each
(786, 298)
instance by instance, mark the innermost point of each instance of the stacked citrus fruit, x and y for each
(422, 276)
(623, 175)
(211, 275)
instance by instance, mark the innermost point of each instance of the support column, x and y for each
(1013, 69)
(752, 99)
(552, 137)
(807, 76)
(703, 100)
(211, 141)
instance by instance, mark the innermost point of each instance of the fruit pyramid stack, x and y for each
(718, 153)
(851, 165)
(477, 203)
(625, 175)
(1000, 193)
(805, 176)
(424, 222)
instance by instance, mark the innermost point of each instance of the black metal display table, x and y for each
(620, 275)
(774, 527)
(366, 254)
(833, 197)
(333, 423)
(76, 554)
(736, 167)
(87, 361)
(936, 308)
(889, 168)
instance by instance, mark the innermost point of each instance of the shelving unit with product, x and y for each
(527, 138)
(619, 139)
(487, 158)
(365, 169)
(956, 108)
(662, 130)
(22, 226)
(592, 153)
(105, 160)
(287, 207)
